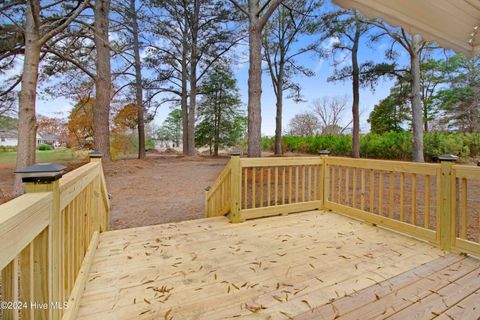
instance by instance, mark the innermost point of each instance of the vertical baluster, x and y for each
(362, 195)
(315, 182)
(71, 245)
(354, 194)
(402, 195)
(414, 198)
(427, 202)
(254, 182)
(269, 186)
(276, 186)
(438, 199)
(347, 186)
(26, 281)
(261, 187)
(40, 273)
(303, 183)
(463, 212)
(78, 213)
(380, 193)
(245, 188)
(283, 185)
(332, 188)
(290, 185)
(10, 289)
(339, 186)
(371, 189)
(15, 296)
(66, 252)
(390, 194)
(309, 183)
(296, 184)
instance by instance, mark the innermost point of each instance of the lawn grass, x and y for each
(57, 155)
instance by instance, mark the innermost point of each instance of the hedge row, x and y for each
(392, 145)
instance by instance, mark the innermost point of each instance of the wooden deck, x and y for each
(313, 265)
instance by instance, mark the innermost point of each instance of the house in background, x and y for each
(8, 138)
(45, 138)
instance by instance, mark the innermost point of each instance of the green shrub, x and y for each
(267, 143)
(390, 145)
(45, 147)
(149, 143)
(8, 148)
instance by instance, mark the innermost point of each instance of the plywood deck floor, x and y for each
(313, 265)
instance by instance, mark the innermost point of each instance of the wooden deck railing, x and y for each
(217, 198)
(279, 186)
(436, 202)
(465, 207)
(47, 240)
(393, 194)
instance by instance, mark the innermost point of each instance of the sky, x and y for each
(315, 87)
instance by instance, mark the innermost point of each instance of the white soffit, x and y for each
(453, 24)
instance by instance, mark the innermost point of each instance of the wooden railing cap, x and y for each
(95, 154)
(325, 152)
(42, 172)
(447, 157)
(235, 153)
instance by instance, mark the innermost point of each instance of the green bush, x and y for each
(45, 147)
(8, 148)
(390, 145)
(149, 143)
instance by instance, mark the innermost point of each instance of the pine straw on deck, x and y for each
(312, 265)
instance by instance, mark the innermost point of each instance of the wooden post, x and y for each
(207, 189)
(324, 179)
(47, 275)
(447, 213)
(236, 185)
(99, 223)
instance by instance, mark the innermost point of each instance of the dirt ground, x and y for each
(160, 189)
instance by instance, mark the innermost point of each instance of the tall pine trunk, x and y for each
(27, 128)
(218, 119)
(254, 90)
(138, 83)
(184, 93)
(417, 110)
(193, 79)
(103, 82)
(279, 111)
(356, 94)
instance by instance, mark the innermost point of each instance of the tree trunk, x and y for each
(193, 80)
(27, 128)
(184, 94)
(356, 94)
(425, 116)
(191, 110)
(103, 81)
(218, 119)
(278, 117)
(417, 111)
(254, 91)
(138, 83)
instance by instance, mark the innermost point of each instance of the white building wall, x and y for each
(9, 142)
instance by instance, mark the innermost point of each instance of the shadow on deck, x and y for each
(313, 265)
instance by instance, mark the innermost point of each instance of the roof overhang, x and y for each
(453, 24)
